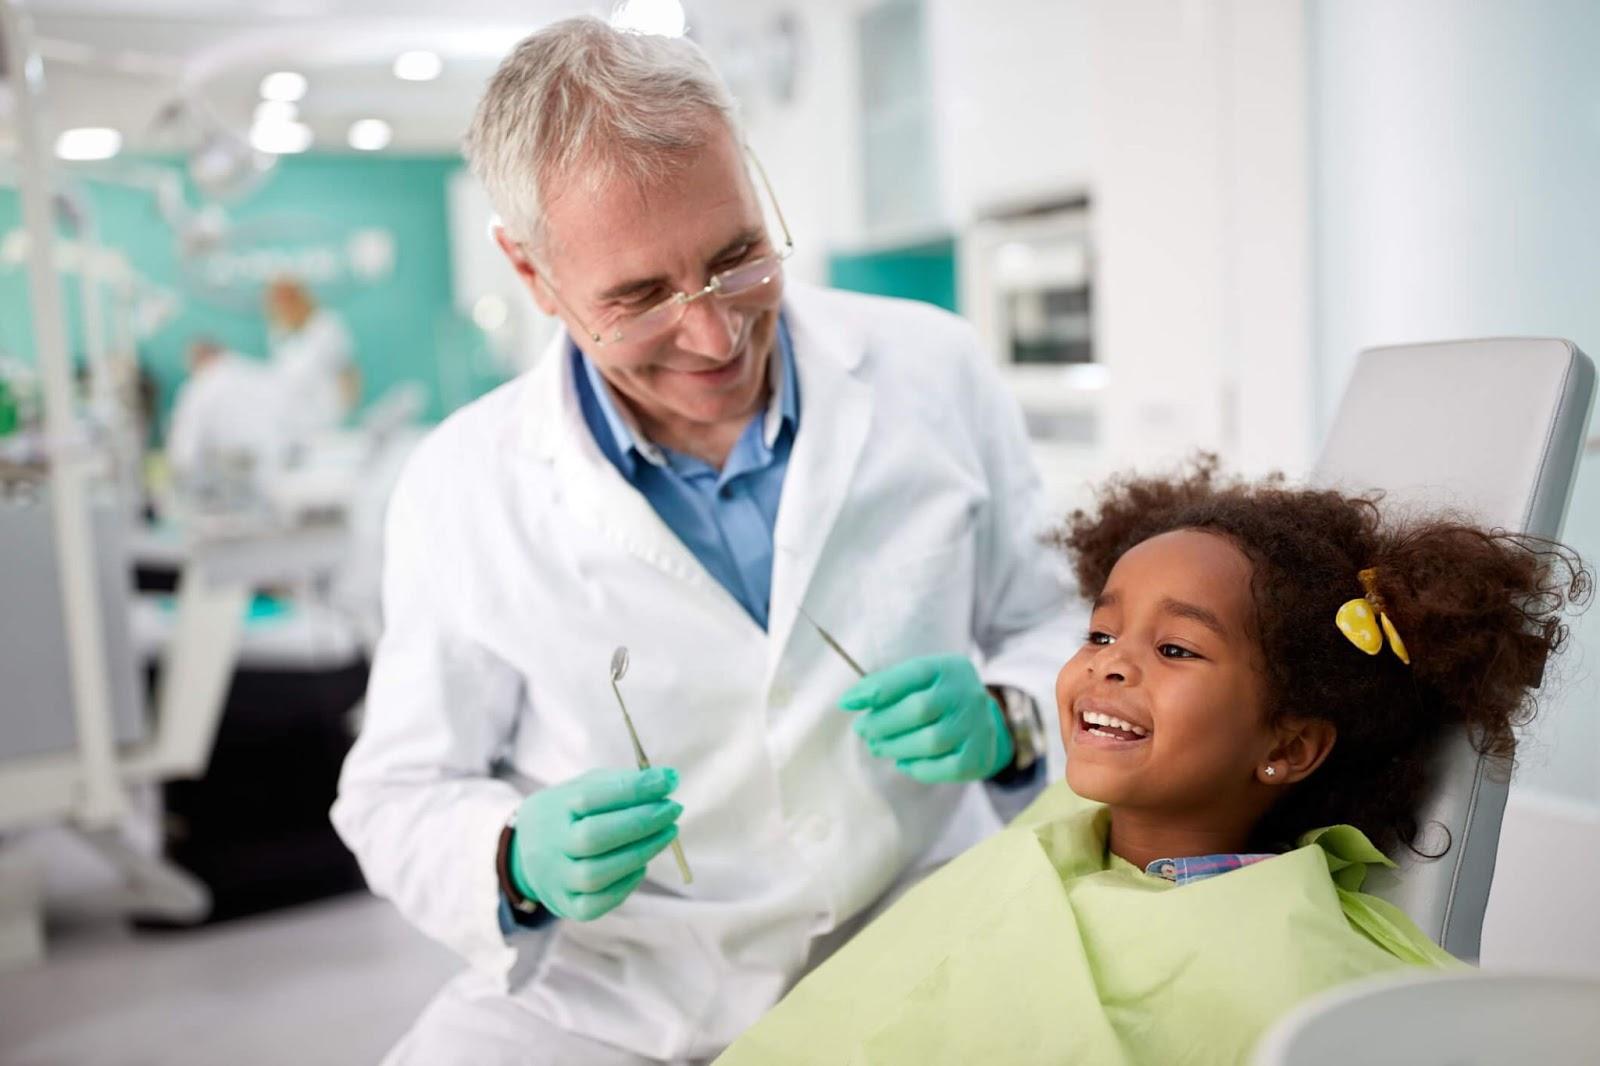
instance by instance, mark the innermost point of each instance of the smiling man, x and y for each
(708, 457)
(691, 367)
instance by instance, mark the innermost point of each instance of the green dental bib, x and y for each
(1038, 946)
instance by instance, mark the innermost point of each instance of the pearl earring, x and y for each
(1272, 771)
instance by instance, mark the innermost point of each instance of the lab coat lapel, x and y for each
(835, 419)
(591, 487)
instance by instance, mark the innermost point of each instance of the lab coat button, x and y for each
(781, 696)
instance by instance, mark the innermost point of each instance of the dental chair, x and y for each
(1427, 1018)
(1492, 428)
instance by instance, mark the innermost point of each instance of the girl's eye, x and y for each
(1175, 651)
(1099, 637)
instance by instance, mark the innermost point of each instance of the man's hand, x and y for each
(934, 718)
(581, 847)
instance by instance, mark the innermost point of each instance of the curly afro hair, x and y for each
(1480, 612)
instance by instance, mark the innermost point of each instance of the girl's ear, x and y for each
(1302, 745)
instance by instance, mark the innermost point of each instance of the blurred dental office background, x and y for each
(1174, 222)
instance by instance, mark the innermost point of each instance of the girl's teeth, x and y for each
(1096, 718)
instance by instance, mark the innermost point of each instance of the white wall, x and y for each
(1187, 123)
(809, 140)
(1009, 85)
(1011, 95)
(1201, 215)
(1267, 226)
(1541, 913)
(1158, 225)
(1457, 168)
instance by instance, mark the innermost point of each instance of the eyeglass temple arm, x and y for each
(788, 241)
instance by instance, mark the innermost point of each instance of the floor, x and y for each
(332, 982)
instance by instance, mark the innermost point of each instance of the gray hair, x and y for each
(580, 94)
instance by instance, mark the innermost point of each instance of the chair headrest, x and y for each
(1491, 429)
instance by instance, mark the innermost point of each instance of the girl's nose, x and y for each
(1112, 664)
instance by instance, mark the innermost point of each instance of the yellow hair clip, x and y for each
(1362, 620)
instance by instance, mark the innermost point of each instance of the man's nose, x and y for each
(708, 328)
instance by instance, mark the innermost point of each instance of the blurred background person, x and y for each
(312, 353)
(229, 414)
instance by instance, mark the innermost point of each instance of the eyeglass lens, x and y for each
(736, 282)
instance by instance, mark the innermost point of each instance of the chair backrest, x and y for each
(1492, 428)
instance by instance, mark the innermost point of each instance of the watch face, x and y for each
(1023, 717)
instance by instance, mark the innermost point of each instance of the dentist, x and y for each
(706, 451)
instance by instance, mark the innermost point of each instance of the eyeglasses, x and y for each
(755, 278)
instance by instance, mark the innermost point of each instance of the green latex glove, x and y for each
(934, 718)
(581, 846)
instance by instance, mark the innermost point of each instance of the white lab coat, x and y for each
(229, 409)
(518, 558)
(310, 363)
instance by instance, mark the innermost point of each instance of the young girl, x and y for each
(1247, 726)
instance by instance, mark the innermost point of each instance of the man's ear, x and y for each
(526, 269)
(1302, 745)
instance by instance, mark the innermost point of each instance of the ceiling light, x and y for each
(88, 143)
(276, 111)
(660, 18)
(490, 312)
(370, 135)
(283, 85)
(280, 138)
(417, 66)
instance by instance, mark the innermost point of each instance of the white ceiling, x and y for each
(118, 62)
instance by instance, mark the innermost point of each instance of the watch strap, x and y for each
(520, 905)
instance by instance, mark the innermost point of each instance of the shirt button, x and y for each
(781, 696)
(725, 492)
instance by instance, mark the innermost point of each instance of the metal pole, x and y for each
(102, 800)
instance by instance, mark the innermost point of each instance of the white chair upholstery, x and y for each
(1432, 1019)
(1492, 428)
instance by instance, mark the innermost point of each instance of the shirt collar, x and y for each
(1199, 867)
(625, 433)
(783, 406)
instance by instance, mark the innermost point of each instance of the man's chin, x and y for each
(707, 411)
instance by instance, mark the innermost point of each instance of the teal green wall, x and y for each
(924, 272)
(402, 324)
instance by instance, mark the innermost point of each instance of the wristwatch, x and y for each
(521, 906)
(1026, 727)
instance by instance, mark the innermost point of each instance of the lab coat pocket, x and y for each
(922, 605)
